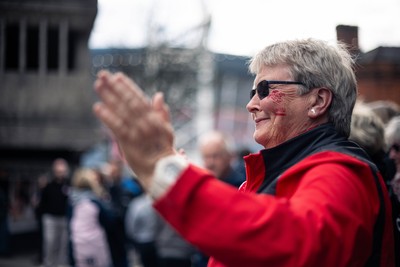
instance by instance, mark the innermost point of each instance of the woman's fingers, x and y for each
(141, 127)
(160, 106)
(109, 118)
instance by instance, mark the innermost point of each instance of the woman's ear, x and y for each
(321, 101)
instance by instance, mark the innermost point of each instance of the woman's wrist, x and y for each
(166, 173)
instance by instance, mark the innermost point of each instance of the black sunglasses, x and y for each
(396, 147)
(263, 87)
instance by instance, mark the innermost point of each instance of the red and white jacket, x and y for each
(312, 201)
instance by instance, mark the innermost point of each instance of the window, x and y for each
(11, 46)
(52, 48)
(72, 41)
(32, 48)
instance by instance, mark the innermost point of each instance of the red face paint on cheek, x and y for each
(276, 96)
(280, 111)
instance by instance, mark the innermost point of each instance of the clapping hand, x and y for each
(141, 126)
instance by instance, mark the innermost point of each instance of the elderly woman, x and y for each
(310, 197)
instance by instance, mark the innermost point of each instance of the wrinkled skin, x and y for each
(284, 114)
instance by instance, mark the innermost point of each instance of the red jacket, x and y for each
(319, 211)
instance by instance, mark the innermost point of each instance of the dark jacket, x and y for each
(54, 199)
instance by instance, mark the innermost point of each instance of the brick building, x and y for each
(378, 70)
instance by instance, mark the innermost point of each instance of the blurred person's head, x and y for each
(87, 179)
(60, 169)
(112, 171)
(392, 138)
(385, 109)
(367, 129)
(216, 152)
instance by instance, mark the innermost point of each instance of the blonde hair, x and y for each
(86, 178)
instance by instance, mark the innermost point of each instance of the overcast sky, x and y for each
(242, 27)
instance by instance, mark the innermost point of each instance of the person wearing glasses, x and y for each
(311, 197)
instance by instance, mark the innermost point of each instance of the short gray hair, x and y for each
(367, 129)
(316, 64)
(392, 131)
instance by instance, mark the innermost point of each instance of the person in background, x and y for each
(385, 109)
(42, 181)
(52, 208)
(392, 139)
(311, 197)
(119, 201)
(156, 242)
(239, 164)
(5, 249)
(217, 154)
(368, 131)
(89, 221)
(173, 250)
(121, 188)
(141, 229)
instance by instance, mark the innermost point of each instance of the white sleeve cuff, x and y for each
(166, 173)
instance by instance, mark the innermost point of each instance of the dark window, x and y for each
(12, 46)
(72, 41)
(52, 48)
(32, 48)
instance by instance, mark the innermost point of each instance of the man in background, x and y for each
(53, 209)
(217, 154)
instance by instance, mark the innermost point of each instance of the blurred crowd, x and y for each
(101, 217)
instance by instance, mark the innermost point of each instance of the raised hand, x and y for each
(142, 127)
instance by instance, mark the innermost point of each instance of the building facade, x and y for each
(45, 93)
(377, 71)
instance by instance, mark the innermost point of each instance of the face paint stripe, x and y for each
(276, 96)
